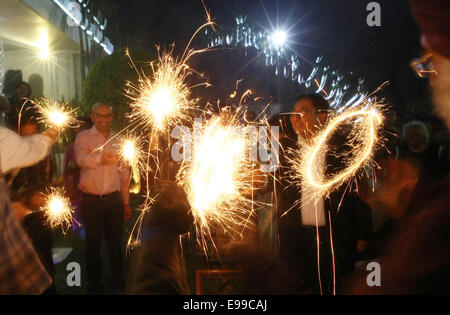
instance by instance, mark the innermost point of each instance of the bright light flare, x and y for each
(58, 209)
(44, 54)
(42, 44)
(278, 38)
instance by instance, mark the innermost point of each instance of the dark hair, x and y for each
(318, 101)
(27, 114)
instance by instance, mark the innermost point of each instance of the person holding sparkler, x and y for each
(27, 193)
(105, 195)
(21, 271)
(416, 258)
(305, 242)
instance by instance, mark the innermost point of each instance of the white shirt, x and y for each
(17, 151)
(95, 177)
(313, 208)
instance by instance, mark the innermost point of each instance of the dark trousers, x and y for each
(298, 250)
(103, 217)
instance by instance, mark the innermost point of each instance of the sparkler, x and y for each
(309, 171)
(218, 177)
(160, 101)
(58, 208)
(131, 152)
(56, 115)
(164, 98)
(363, 139)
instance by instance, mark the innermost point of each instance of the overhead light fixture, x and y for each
(42, 44)
(44, 54)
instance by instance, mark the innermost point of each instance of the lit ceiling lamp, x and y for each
(42, 44)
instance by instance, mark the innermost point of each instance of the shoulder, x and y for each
(8, 136)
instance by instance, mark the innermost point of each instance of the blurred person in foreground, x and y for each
(416, 258)
(21, 271)
(159, 266)
(27, 187)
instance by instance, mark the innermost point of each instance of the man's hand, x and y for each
(109, 158)
(52, 134)
(126, 212)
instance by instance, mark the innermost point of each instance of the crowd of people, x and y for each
(398, 216)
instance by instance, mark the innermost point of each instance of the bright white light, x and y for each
(44, 54)
(42, 44)
(278, 37)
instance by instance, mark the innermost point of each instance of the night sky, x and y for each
(336, 29)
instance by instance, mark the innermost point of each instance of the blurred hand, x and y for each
(109, 158)
(126, 212)
(52, 134)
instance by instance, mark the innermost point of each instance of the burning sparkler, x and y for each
(363, 138)
(164, 98)
(131, 152)
(160, 101)
(218, 177)
(56, 115)
(58, 208)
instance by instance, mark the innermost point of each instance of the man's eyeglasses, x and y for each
(423, 67)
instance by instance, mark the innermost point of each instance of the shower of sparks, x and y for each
(58, 209)
(131, 153)
(365, 123)
(160, 101)
(163, 99)
(56, 115)
(218, 178)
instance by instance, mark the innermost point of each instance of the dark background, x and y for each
(336, 29)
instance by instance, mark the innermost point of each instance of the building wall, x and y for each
(60, 72)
